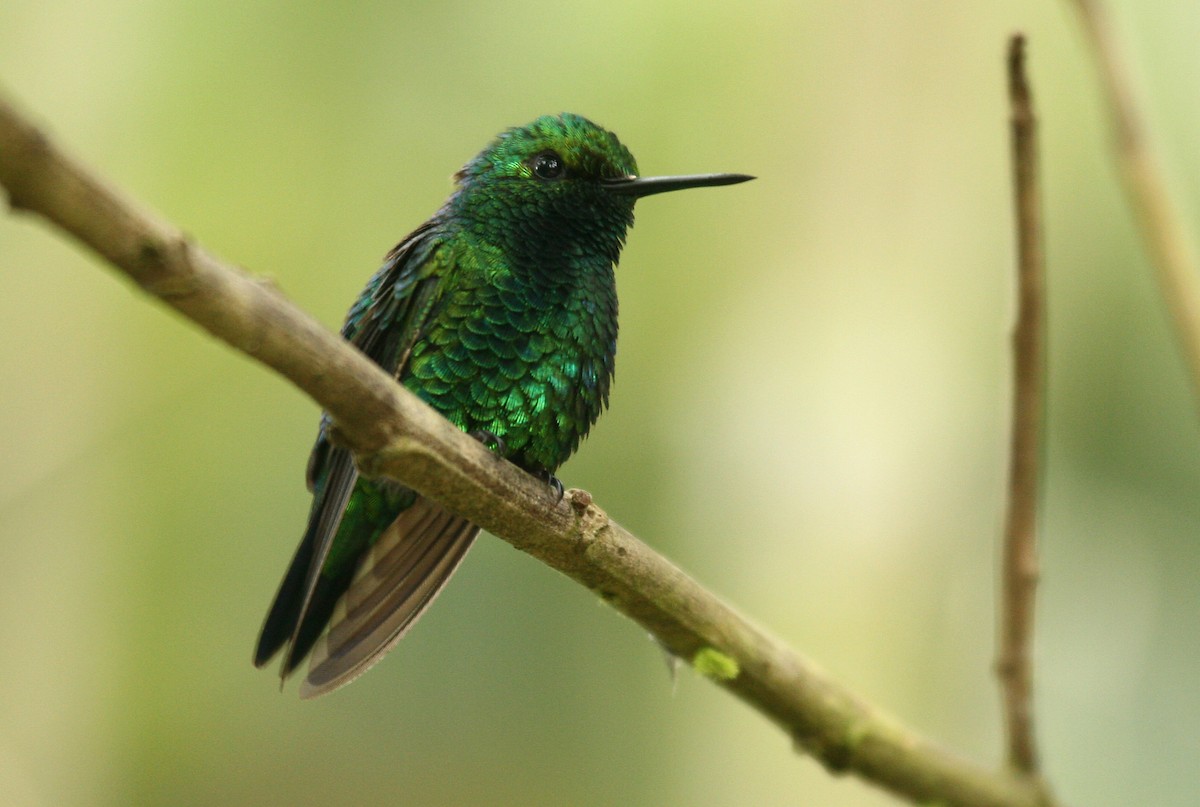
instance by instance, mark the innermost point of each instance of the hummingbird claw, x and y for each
(491, 441)
(555, 484)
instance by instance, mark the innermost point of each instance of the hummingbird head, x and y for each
(559, 185)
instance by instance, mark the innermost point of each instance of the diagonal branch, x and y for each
(1172, 252)
(396, 435)
(1019, 565)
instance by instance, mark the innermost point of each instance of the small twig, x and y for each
(1020, 569)
(1172, 252)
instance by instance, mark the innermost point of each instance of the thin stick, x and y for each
(1020, 569)
(1172, 252)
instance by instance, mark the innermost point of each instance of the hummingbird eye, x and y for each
(548, 165)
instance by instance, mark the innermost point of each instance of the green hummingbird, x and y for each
(500, 312)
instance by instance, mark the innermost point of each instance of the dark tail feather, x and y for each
(280, 626)
(281, 619)
(294, 600)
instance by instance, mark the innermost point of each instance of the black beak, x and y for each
(645, 186)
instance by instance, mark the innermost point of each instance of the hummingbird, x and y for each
(500, 312)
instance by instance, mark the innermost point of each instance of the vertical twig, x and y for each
(1171, 251)
(1019, 576)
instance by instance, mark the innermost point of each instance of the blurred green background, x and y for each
(810, 412)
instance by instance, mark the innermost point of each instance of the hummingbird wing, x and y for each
(398, 579)
(384, 323)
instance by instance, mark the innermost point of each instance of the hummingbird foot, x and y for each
(491, 441)
(554, 482)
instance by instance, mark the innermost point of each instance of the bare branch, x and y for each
(396, 435)
(1020, 567)
(1171, 250)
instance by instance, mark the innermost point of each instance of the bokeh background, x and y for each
(810, 412)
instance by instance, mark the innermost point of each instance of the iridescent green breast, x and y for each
(525, 353)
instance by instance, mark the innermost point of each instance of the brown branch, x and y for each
(396, 435)
(1172, 252)
(1020, 568)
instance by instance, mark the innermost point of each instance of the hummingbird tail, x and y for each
(305, 599)
(398, 579)
(280, 623)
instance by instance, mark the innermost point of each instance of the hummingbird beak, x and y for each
(645, 186)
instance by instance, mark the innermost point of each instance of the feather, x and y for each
(384, 323)
(398, 579)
